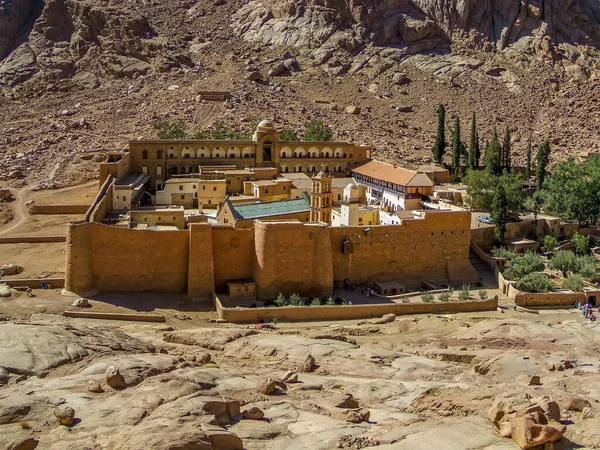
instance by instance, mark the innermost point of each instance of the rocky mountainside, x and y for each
(79, 77)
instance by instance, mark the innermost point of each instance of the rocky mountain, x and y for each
(80, 77)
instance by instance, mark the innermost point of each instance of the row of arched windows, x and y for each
(315, 169)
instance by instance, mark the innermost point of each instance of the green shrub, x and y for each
(549, 243)
(330, 301)
(483, 294)
(536, 282)
(404, 299)
(280, 300)
(445, 296)
(295, 300)
(316, 131)
(586, 266)
(524, 265)
(427, 297)
(574, 283)
(220, 131)
(274, 320)
(315, 302)
(464, 293)
(288, 135)
(169, 130)
(504, 253)
(582, 245)
(24, 425)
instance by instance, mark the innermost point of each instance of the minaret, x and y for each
(321, 198)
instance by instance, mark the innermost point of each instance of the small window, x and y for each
(285, 188)
(158, 217)
(145, 219)
(193, 186)
(159, 154)
(181, 187)
(173, 218)
(124, 198)
(183, 197)
(215, 189)
(145, 154)
(209, 202)
(203, 188)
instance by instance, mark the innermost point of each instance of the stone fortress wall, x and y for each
(287, 257)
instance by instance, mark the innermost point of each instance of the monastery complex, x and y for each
(260, 217)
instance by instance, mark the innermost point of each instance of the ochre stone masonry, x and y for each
(287, 257)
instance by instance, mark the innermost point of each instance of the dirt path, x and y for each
(21, 211)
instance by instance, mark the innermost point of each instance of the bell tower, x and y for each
(321, 198)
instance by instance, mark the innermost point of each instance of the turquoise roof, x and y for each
(266, 209)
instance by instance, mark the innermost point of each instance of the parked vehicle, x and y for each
(485, 219)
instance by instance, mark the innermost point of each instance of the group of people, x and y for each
(364, 290)
(587, 310)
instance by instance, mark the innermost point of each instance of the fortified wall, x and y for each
(287, 257)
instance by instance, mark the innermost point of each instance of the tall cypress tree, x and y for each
(528, 162)
(439, 148)
(499, 212)
(473, 145)
(477, 150)
(542, 158)
(456, 148)
(506, 150)
(493, 155)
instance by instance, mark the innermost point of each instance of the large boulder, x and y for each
(528, 433)
(114, 378)
(253, 413)
(11, 269)
(577, 404)
(65, 415)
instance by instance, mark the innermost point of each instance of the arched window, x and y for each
(159, 154)
(159, 170)
(326, 154)
(145, 154)
(267, 150)
(145, 170)
(172, 170)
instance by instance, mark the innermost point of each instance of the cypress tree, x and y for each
(542, 158)
(493, 155)
(439, 148)
(473, 145)
(477, 150)
(528, 163)
(506, 150)
(456, 147)
(499, 212)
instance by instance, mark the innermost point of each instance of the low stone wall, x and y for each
(340, 312)
(549, 299)
(116, 316)
(35, 283)
(58, 209)
(32, 239)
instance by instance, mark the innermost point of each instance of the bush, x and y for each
(295, 300)
(504, 253)
(549, 243)
(404, 299)
(316, 131)
(445, 296)
(274, 320)
(280, 300)
(586, 266)
(536, 282)
(220, 131)
(574, 283)
(563, 260)
(582, 245)
(315, 302)
(330, 301)
(427, 297)
(524, 265)
(483, 294)
(464, 293)
(169, 130)
(288, 135)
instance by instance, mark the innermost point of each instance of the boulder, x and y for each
(114, 378)
(65, 415)
(343, 401)
(577, 404)
(222, 439)
(253, 413)
(203, 358)
(352, 109)
(527, 433)
(529, 380)
(550, 407)
(4, 291)
(499, 410)
(505, 429)
(254, 76)
(405, 109)
(401, 79)
(81, 303)
(11, 269)
(388, 318)
(14, 413)
(94, 386)
(290, 377)
(309, 364)
(277, 69)
(358, 415)
(267, 386)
